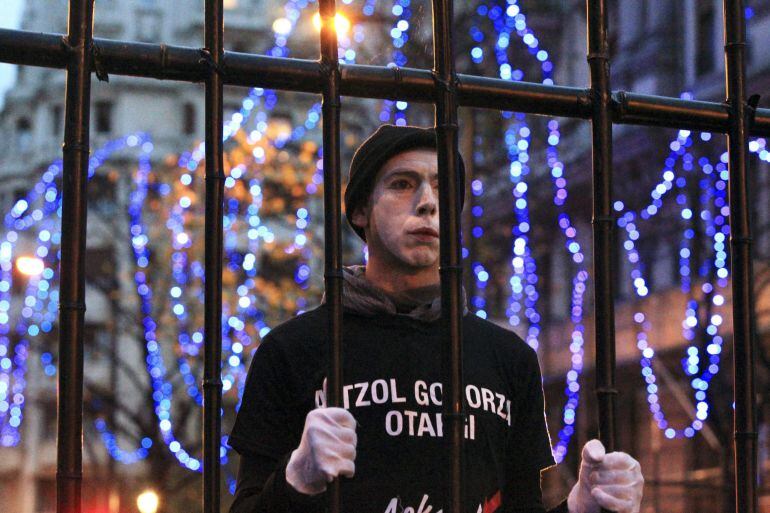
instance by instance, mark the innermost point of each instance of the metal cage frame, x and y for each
(80, 54)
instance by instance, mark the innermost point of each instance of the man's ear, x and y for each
(361, 216)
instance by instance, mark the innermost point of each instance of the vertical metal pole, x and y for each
(69, 442)
(212, 375)
(449, 228)
(740, 246)
(332, 213)
(603, 220)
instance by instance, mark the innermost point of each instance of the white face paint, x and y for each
(401, 219)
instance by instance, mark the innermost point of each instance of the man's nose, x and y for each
(427, 203)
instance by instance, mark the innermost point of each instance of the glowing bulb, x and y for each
(147, 501)
(30, 266)
(341, 23)
(282, 26)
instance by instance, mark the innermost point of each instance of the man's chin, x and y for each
(421, 260)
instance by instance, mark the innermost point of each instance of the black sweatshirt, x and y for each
(392, 372)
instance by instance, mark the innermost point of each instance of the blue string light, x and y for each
(12, 407)
(524, 279)
(235, 338)
(163, 389)
(713, 213)
(570, 233)
(478, 300)
(399, 34)
(114, 450)
(35, 316)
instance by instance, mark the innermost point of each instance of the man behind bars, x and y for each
(386, 442)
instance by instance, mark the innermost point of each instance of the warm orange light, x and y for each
(341, 23)
(147, 501)
(279, 129)
(30, 266)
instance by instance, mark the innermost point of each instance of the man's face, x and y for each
(401, 218)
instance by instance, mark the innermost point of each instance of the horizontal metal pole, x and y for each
(167, 62)
(643, 109)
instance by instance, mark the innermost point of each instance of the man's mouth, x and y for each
(427, 233)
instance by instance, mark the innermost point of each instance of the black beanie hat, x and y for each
(386, 142)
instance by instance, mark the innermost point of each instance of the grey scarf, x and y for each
(361, 297)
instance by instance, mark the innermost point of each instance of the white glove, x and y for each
(327, 450)
(612, 481)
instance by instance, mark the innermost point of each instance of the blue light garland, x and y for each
(713, 212)
(517, 138)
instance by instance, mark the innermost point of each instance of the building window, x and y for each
(228, 109)
(48, 407)
(189, 119)
(100, 273)
(97, 343)
(149, 24)
(631, 17)
(19, 193)
(103, 117)
(21, 281)
(623, 289)
(45, 495)
(24, 134)
(241, 47)
(559, 293)
(704, 59)
(56, 120)
(666, 269)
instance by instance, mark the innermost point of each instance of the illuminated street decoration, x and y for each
(713, 212)
(524, 278)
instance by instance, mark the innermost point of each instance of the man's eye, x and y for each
(400, 184)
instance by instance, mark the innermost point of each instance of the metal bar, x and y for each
(740, 253)
(69, 441)
(330, 111)
(641, 109)
(603, 220)
(449, 228)
(211, 55)
(168, 62)
(34, 48)
(180, 63)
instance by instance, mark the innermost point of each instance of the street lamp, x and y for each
(30, 265)
(147, 501)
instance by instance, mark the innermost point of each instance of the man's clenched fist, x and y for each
(327, 450)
